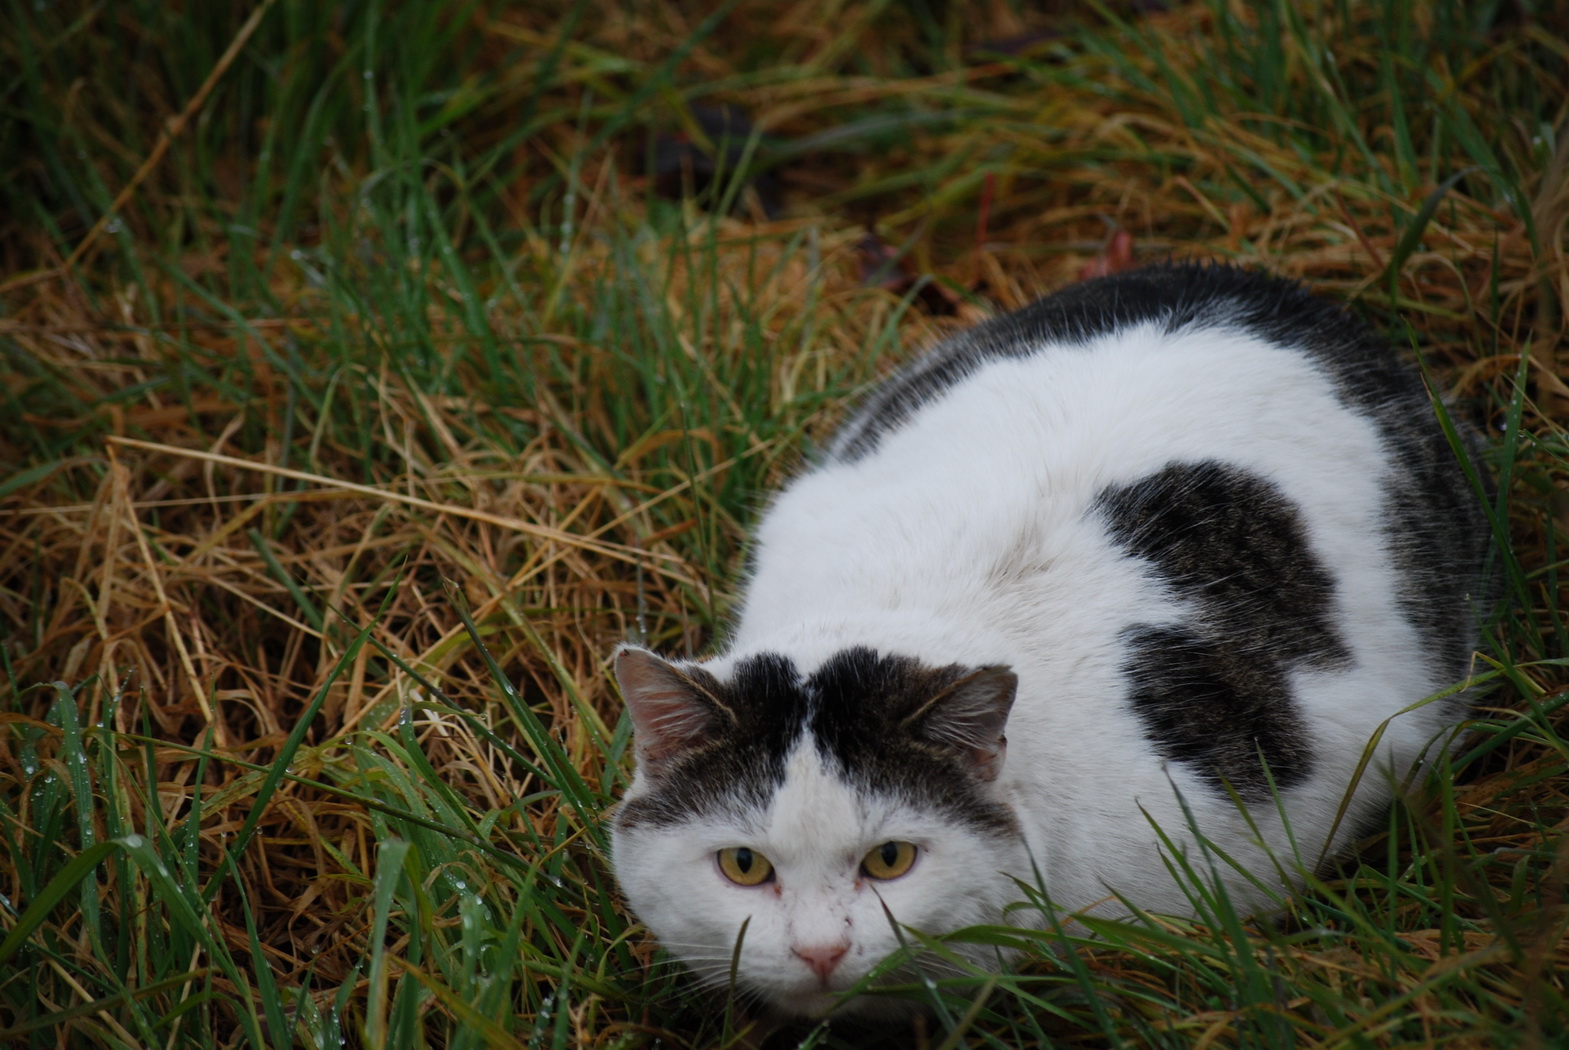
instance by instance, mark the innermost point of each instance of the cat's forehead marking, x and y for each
(859, 723)
(839, 729)
(804, 763)
(814, 810)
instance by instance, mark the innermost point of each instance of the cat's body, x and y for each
(1185, 535)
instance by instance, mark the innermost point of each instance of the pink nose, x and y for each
(821, 958)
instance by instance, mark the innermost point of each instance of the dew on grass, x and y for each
(547, 1007)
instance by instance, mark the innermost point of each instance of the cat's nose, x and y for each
(822, 958)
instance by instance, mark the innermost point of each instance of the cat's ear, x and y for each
(670, 712)
(969, 715)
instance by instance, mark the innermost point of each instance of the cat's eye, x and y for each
(888, 861)
(745, 867)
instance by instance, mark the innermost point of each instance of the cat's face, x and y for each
(766, 836)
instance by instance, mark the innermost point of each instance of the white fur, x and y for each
(964, 538)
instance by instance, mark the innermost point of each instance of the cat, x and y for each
(1155, 556)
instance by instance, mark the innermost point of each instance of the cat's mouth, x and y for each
(808, 1003)
(813, 996)
(866, 1005)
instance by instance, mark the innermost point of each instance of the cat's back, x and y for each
(1200, 420)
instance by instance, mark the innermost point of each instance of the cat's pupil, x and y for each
(743, 860)
(889, 852)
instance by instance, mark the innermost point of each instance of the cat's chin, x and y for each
(806, 1004)
(815, 1005)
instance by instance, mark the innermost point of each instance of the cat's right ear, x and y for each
(670, 712)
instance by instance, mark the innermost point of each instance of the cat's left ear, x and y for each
(969, 715)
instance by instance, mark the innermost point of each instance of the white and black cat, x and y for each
(1164, 541)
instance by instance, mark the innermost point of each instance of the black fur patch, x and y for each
(1234, 542)
(1222, 714)
(1214, 693)
(1435, 528)
(862, 699)
(736, 766)
(854, 708)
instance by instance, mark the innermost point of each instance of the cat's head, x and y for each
(814, 811)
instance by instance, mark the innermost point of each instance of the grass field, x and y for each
(371, 369)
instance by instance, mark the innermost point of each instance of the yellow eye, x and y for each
(888, 861)
(745, 867)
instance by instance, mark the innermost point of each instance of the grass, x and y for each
(365, 383)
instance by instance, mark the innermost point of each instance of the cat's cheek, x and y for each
(659, 876)
(948, 889)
